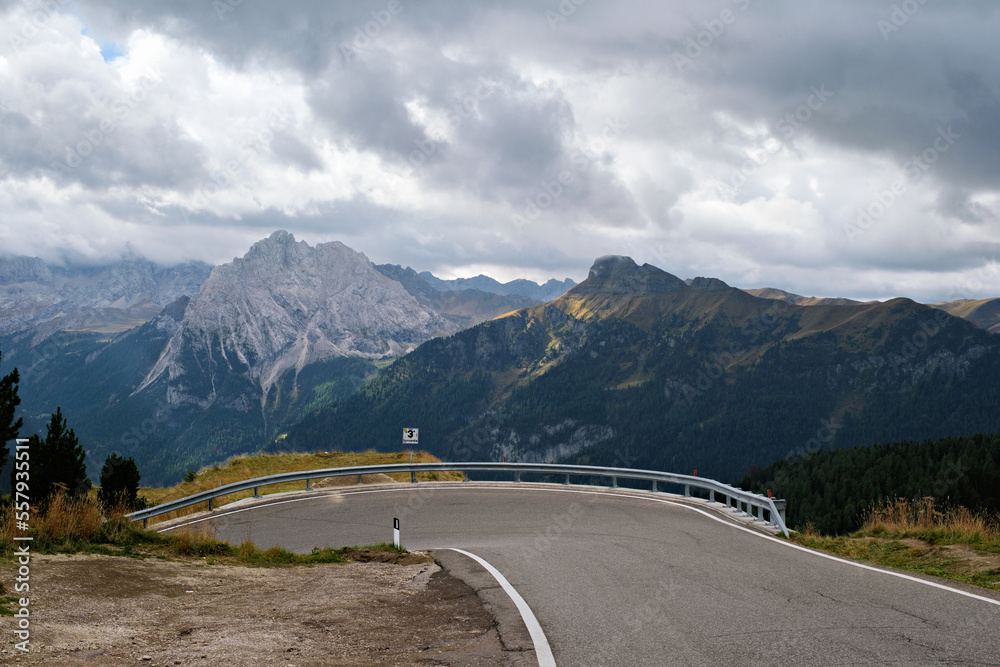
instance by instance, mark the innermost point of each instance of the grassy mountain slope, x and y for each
(983, 313)
(633, 367)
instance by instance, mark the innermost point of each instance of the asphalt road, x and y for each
(619, 580)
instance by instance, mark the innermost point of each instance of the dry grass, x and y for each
(955, 543)
(921, 519)
(79, 526)
(66, 523)
(241, 468)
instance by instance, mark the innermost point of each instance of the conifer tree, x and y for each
(119, 482)
(59, 461)
(9, 400)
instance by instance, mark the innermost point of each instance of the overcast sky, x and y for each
(837, 148)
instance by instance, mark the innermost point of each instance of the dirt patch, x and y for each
(352, 480)
(381, 556)
(99, 610)
(915, 543)
(972, 560)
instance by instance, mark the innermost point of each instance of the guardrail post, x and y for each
(567, 479)
(465, 475)
(308, 484)
(413, 477)
(654, 486)
(359, 479)
(210, 504)
(711, 495)
(614, 482)
(145, 523)
(517, 477)
(255, 492)
(687, 490)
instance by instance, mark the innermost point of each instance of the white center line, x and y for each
(542, 650)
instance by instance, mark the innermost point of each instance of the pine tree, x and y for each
(119, 482)
(57, 462)
(9, 400)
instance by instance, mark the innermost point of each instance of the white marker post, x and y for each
(395, 532)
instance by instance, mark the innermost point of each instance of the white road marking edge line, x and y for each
(755, 533)
(542, 649)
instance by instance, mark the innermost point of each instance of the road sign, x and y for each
(411, 436)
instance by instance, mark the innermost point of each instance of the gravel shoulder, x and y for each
(101, 610)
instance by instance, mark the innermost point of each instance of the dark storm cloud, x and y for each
(365, 105)
(896, 76)
(479, 131)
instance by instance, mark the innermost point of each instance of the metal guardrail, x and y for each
(730, 496)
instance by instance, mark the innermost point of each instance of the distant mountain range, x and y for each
(637, 367)
(104, 299)
(292, 347)
(550, 290)
(187, 365)
(984, 313)
(788, 297)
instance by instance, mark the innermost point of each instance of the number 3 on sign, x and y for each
(411, 436)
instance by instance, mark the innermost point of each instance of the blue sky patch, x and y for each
(111, 51)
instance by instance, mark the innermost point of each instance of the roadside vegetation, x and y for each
(914, 535)
(95, 522)
(82, 526)
(241, 468)
(836, 489)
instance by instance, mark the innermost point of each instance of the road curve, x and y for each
(627, 579)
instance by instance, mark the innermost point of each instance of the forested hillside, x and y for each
(833, 489)
(633, 367)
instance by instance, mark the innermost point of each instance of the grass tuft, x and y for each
(955, 543)
(922, 520)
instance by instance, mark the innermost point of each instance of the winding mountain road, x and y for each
(624, 578)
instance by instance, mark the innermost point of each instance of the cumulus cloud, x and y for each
(843, 148)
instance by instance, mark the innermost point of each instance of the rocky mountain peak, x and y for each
(617, 274)
(23, 270)
(286, 304)
(278, 249)
(709, 284)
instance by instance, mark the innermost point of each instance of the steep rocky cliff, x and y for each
(285, 305)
